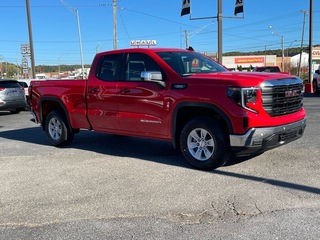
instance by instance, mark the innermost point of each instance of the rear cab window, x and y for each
(109, 67)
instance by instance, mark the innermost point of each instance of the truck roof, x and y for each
(144, 50)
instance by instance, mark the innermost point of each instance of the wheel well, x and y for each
(46, 107)
(185, 114)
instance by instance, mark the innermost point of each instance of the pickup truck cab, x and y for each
(175, 95)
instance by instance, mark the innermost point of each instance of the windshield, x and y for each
(187, 63)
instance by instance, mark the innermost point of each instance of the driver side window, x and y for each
(137, 63)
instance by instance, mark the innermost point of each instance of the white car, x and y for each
(25, 83)
(316, 81)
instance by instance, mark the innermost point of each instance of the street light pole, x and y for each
(97, 48)
(290, 46)
(195, 32)
(301, 48)
(288, 54)
(282, 45)
(76, 12)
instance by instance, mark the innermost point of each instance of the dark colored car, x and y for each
(12, 96)
(269, 69)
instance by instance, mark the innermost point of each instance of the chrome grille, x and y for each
(281, 99)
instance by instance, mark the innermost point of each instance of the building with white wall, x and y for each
(233, 62)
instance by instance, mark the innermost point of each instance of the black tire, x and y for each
(16, 111)
(315, 86)
(57, 129)
(204, 144)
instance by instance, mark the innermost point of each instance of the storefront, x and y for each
(245, 63)
(315, 58)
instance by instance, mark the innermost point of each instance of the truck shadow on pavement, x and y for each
(114, 145)
(140, 148)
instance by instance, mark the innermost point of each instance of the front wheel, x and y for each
(204, 144)
(57, 129)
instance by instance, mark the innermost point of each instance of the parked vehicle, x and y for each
(316, 81)
(25, 86)
(269, 69)
(175, 95)
(12, 96)
(25, 83)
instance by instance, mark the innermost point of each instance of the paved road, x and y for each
(112, 187)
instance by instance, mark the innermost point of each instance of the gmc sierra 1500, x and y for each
(176, 95)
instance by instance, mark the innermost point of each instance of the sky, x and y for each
(55, 29)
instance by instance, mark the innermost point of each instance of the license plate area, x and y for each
(13, 94)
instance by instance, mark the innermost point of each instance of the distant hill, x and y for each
(287, 51)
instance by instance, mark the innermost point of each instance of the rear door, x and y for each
(102, 94)
(141, 104)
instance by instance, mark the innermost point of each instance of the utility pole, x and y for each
(310, 39)
(33, 73)
(302, 38)
(187, 38)
(219, 18)
(114, 5)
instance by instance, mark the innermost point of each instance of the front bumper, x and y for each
(258, 140)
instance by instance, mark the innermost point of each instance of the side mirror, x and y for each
(149, 76)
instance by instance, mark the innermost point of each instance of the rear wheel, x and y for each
(57, 129)
(204, 144)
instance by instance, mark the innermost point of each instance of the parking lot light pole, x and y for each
(76, 12)
(195, 32)
(288, 54)
(282, 45)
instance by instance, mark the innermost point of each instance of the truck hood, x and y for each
(239, 78)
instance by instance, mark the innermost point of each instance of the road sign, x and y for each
(25, 49)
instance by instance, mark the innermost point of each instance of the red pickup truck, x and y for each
(176, 95)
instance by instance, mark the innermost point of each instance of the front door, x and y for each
(141, 104)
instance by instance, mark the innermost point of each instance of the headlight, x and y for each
(244, 97)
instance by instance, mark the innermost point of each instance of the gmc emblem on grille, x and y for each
(291, 93)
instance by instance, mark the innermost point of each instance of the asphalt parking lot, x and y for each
(112, 187)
